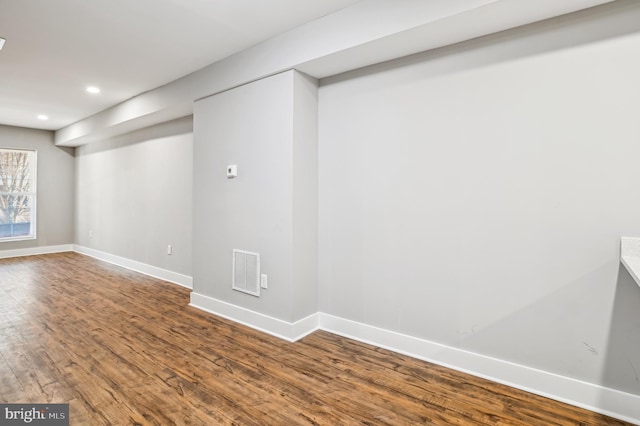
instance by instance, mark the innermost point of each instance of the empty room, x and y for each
(320, 212)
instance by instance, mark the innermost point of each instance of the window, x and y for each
(17, 194)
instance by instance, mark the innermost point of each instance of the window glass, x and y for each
(17, 194)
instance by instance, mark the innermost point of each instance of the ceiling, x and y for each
(56, 48)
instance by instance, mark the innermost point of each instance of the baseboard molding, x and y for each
(143, 268)
(592, 397)
(600, 399)
(33, 251)
(290, 331)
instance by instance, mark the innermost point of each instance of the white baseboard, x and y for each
(143, 268)
(33, 251)
(276, 327)
(592, 397)
(600, 399)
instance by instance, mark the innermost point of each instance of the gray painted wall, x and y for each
(305, 195)
(134, 193)
(270, 208)
(475, 195)
(55, 213)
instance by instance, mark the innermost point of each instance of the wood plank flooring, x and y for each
(125, 349)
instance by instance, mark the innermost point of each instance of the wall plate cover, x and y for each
(232, 171)
(246, 272)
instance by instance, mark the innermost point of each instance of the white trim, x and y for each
(33, 251)
(622, 405)
(600, 399)
(143, 268)
(276, 327)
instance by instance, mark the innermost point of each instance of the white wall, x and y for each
(55, 173)
(134, 194)
(271, 207)
(475, 196)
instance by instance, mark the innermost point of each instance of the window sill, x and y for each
(14, 239)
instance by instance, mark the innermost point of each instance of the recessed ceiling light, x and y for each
(93, 89)
(2, 43)
(43, 117)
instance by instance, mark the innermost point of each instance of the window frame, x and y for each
(33, 193)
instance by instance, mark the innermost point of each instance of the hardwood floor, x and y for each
(123, 348)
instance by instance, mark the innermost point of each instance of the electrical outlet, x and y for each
(263, 280)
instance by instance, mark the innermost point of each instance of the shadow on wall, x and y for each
(622, 357)
(596, 319)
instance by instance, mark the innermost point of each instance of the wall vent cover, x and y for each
(246, 272)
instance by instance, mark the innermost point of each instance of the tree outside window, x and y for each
(17, 194)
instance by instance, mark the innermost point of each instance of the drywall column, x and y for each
(267, 128)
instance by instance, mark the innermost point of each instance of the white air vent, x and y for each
(246, 272)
